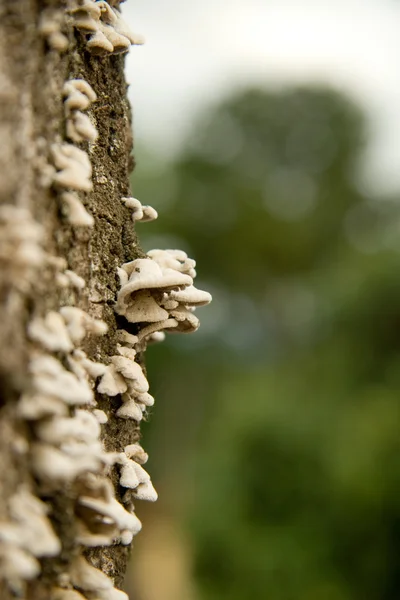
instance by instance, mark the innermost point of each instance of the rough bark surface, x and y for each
(31, 119)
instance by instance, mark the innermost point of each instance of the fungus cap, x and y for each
(37, 406)
(132, 371)
(112, 383)
(169, 324)
(141, 308)
(50, 332)
(191, 296)
(145, 273)
(136, 452)
(86, 577)
(145, 491)
(129, 409)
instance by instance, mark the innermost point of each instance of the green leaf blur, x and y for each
(276, 428)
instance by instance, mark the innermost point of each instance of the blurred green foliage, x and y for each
(277, 425)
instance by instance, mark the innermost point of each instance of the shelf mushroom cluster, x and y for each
(157, 293)
(78, 97)
(107, 32)
(21, 251)
(73, 170)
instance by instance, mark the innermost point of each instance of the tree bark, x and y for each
(32, 119)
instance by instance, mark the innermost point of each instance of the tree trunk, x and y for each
(41, 48)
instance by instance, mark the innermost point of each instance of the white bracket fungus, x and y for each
(51, 333)
(21, 252)
(50, 28)
(75, 280)
(79, 323)
(174, 259)
(74, 168)
(79, 128)
(26, 537)
(51, 379)
(145, 275)
(133, 476)
(63, 594)
(101, 513)
(130, 409)
(38, 406)
(107, 31)
(76, 213)
(79, 96)
(143, 213)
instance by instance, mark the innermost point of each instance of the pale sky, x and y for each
(197, 50)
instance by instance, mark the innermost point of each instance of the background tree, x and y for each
(285, 442)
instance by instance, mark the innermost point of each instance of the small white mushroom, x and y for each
(79, 128)
(135, 206)
(33, 528)
(156, 337)
(191, 296)
(78, 95)
(63, 594)
(126, 338)
(100, 416)
(174, 259)
(128, 476)
(112, 383)
(145, 491)
(169, 324)
(54, 465)
(140, 212)
(187, 321)
(50, 332)
(133, 372)
(17, 565)
(127, 352)
(50, 28)
(86, 577)
(76, 212)
(92, 368)
(129, 409)
(21, 252)
(82, 427)
(75, 280)
(79, 323)
(142, 308)
(98, 43)
(74, 168)
(113, 510)
(136, 452)
(35, 406)
(145, 399)
(92, 540)
(149, 214)
(51, 379)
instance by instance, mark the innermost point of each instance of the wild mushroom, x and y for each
(145, 274)
(174, 259)
(132, 372)
(79, 323)
(50, 332)
(130, 409)
(51, 379)
(79, 128)
(76, 213)
(74, 168)
(112, 383)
